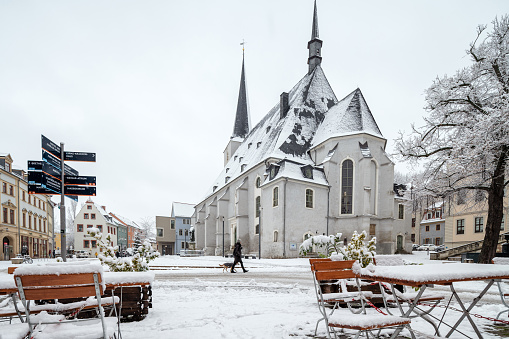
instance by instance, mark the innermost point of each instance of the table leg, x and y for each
(466, 312)
(411, 307)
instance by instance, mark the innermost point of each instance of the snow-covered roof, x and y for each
(292, 170)
(123, 220)
(435, 205)
(180, 209)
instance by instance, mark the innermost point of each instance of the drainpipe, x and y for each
(328, 201)
(284, 221)
(19, 220)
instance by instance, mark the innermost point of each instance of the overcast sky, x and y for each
(151, 86)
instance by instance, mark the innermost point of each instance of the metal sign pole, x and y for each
(63, 245)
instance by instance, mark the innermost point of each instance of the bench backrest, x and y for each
(52, 286)
(313, 260)
(330, 270)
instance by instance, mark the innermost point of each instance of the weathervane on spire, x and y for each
(242, 44)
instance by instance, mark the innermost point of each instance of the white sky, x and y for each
(151, 86)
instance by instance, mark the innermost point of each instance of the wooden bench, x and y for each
(62, 282)
(324, 272)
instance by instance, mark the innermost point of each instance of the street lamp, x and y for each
(223, 236)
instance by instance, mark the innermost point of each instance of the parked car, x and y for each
(427, 247)
(415, 247)
(440, 248)
(82, 254)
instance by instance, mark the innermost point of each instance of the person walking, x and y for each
(237, 255)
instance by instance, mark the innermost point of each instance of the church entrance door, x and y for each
(399, 242)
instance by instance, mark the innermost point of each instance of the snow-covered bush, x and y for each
(355, 250)
(138, 263)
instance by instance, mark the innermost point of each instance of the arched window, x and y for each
(275, 196)
(276, 234)
(309, 198)
(258, 182)
(257, 229)
(257, 207)
(347, 187)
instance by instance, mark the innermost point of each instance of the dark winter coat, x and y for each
(237, 251)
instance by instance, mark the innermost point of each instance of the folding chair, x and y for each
(323, 273)
(62, 282)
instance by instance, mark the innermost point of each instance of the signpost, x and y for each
(52, 176)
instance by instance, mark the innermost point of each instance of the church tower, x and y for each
(241, 125)
(314, 45)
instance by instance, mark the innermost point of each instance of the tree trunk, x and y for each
(495, 211)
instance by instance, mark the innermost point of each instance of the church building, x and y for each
(313, 165)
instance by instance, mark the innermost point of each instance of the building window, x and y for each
(86, 216)
(30, 222)
(43, 206)
(276, 234)
(4, 187)
(460, 226)
(89, 207)
(347, 187)
(257, 229)
(309, 198)
(90, 226)
(412, 237)
(11, 190)
(427, 241)
(24, 220)
(275, 197)
(86, 243)
(24, 197)
(257, 207)
(180, 232)
(92, 216)
(12, 217)
(413, 222)
(478, 225)
(438, 228)
(258, 182)
(182, 244)
(160, 232)
(94, 243)
(427, 228)
(172, 224)
(401, 211)
(100, 227)
(5, 214)
(438, 241)
(80, 227)
(372, 230)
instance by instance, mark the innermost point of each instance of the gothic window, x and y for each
(257, 207)
(401, 211)
(276, 233)
(258, 182)
(309, 198)
(347, 187)
(275, 197)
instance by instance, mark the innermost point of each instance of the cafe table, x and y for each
(426, 276)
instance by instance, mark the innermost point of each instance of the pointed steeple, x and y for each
(241, 126)
(314, 45)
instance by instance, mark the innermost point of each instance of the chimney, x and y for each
(103, 207)
(283, 105)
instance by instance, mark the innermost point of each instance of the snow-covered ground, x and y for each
(194, 298)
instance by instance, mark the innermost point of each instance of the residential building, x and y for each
(182, 213)
(126, 231)
(432, 225)
(315, 164)
(26, 220)
(93, 216)
(165, 235)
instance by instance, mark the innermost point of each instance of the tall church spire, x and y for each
(241, 126)
(314, 45)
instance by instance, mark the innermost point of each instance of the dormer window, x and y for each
(273, 171)
(268, 129)
(214, 188)
(249, 145)
(226, 179)
(227, 169)
(258, 144)
(234, 158)
(242, 167)
(8, 167)
(307, 171)
(240, 159)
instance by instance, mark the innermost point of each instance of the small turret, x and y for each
(314, 45)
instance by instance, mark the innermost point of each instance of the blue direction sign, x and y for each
(80, 190)
(53, 161)
(50, 147)
(79, 180)
(79, 156)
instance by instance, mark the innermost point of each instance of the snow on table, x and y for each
(434, 273)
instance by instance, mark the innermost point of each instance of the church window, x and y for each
(276, 234)
(275, 197)
(401, 211)
(307, 172)
(258, 182)
(347, 187)
(309, 198)
(242, 167)
(257, 229)
(257, 207)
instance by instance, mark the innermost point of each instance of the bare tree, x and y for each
(148, 227)
(70, 215)
(465, 139)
